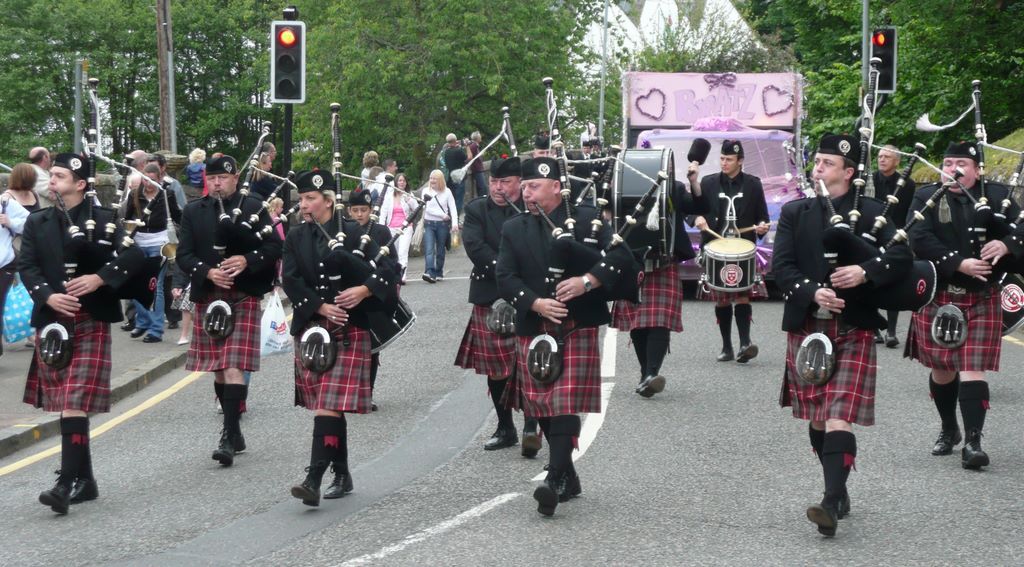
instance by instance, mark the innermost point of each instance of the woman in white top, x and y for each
(397, 207)
(12, 222)
(437, 225)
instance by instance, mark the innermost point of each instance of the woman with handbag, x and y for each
(438, 225)
(397, 207)
(12, 222)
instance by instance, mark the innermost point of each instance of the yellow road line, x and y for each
(1014, 340)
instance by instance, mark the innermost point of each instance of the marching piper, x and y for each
(72, 277)
(836, 387)
(550, 308)
(734, 188)
(953, 238)
(329, 286)
(493, 352)
(230, 260)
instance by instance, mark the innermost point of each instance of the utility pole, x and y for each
(80, 65)
(165, 73)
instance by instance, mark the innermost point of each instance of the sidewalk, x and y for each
(134, 365)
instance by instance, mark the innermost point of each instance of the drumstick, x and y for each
(750, 228)
(712, 233)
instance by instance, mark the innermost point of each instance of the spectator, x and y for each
(169, 182)
(180, 288)
(455, 158)
(391, 166)
(438, 224)
(39, 157)
(275, 210)
(375, 187)
(196, 169)
(21, 187)
(12, 222)
(263, 185)
(397, 207)
(479, 179)
(370, 160)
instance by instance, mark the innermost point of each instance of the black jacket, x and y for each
(524, 257)
(46, 245)
(685, 204)
(800, 268)
(309, 283)
(157, 211)
(751, 208)
(481, 235)
(948, 244)
(200, 230)
(885, 185)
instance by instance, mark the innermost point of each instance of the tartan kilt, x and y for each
(984, 333)
(346, 386)
(850, 394)
(662, 294)
(85, 384)
(577, 390)
(483, 351)
(239, 350)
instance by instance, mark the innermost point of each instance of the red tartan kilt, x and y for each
(346, 386)
(577, 390)
(984, 333)
(662, 295)
(484, 352)
(241, 349)
(85, 384)
(759, 291)
(850, 394)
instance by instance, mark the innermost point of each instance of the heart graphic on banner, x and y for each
(775, 101)
(652, 104)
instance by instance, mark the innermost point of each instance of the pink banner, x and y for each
(676, 100)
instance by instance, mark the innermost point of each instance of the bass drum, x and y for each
(387, 326)
(631, 186)
(1012, 302)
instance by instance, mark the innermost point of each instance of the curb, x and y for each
(15, 438)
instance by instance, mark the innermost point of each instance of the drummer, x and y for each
(751, 210)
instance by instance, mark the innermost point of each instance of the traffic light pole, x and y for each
(286, 156)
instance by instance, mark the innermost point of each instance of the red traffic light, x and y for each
(286, 37)
(878, 38)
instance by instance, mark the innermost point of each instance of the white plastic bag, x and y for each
(274, 336)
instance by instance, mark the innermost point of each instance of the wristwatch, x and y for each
(587, 285)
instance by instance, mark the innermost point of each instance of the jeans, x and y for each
(480, 179)
(459, 192)
(434, 235)
(152, 321)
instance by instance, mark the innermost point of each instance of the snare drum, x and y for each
(1012, 302)
(730, 264)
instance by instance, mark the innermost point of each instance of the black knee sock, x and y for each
(724, 315)
(325, 445)
(974, 404)
(744, 314)
(545, 425)
(639, 338)
(74, 447)
(893, 318)
(657, 347)
(839, 452)
(218, 390)
(231, 402)
(562, 429)
(944, 396)
(374, 366)
(497, 389)
(817, 441)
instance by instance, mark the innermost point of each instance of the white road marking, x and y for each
(608, 353)
(432, 531)
(591, 426)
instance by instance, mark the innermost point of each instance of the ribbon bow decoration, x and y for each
(715, 80)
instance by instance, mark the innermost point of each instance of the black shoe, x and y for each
(429, 278)
(946, 441)
(373, 406)
(878, 337)
(651, 385)
(309, 490)
(572, 489)
(971, 455)
(84, 490)
(844, 506)
(747, 353)
(152, 339)
(172, 325)
(238, 442)
(549, 494)
(57, 498)
(726, 355)
(825, 516)
(501, 439)
(136, 333)
(225, 453)
(891, 341)
(341, 485)
(128, 325)
(531, 439)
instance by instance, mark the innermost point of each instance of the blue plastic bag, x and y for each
(17, 314)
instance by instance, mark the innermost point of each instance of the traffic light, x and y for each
(883, 46)
(288, 62)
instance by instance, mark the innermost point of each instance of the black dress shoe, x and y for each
(891, 341)
(238, 443)
(501, 439)
(946, 441)
(373, 406)
(225, 453)
(549, 494)
(651, 385)
(726, 355)
(152, 339)
(747, 353)
(825, 516)
(572, 488)
(309, 490)
(341, 485)
(971, 455)
(172, 325)
(136, 333)
(531, 439)
(57, 498)
(128, 325)
(84, 490)
(878, 337)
